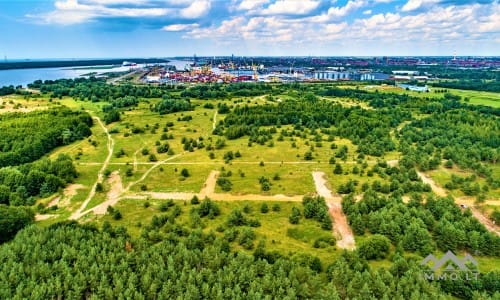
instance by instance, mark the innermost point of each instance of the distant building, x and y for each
(331, 75)
(404, 72)
(373, 76)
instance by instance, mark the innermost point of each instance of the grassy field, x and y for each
(275, 229)
(282, 162)
(472, 97)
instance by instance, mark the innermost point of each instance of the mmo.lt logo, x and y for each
(449, 266)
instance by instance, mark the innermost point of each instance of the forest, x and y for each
(47, 130)
(201, 266)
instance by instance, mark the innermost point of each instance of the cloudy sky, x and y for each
(162, 28)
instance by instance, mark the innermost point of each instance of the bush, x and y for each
(185, 172)
(195, 200)
(264, 208)
(374, 247)
(224, 183)
(295, 216)
(117, 215)
(276, 207)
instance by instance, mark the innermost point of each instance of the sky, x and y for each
(34, 29)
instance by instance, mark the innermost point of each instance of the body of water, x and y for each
(24, 76)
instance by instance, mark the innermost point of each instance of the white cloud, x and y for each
(292, 7)
(69, 12)
(180, 27)
(338, 12)
(197, 9)
(416, 4)
(114, 2)
(367, 12)
(251, 4)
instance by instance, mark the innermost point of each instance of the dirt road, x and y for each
(208, 188)
(484, 220)
(341, 229)
(100, 175)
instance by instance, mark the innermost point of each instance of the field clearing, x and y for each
(479, 97)
(19, 103)
(275, 231)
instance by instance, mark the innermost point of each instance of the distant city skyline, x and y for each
(167, 28)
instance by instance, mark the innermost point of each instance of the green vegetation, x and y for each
(47, 129)
(239, 158)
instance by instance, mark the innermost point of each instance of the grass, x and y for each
(443, 175)
(274, 230)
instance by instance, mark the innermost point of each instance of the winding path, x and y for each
(100, 175)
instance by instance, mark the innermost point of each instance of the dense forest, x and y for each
(75, 261)
(47, 130)
(21, 184)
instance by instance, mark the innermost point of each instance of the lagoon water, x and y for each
(24, 76)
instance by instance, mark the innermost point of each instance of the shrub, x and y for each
(195, 200)
(295, 216)
(185, 172)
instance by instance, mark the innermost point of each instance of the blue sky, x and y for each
(162, 28)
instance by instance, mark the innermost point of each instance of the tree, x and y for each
(13, 219)
(112, 116)
(308, 155)
(185, 172)
(295, 216)
(195, 200)
(374, 247)
(417, 238)
(338, 169)
(264, 208)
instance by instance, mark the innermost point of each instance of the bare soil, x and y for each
(113, 195)
(341, 229)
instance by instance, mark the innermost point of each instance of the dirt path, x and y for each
(208, 188)
(219, 162)
(39, 217)
(341, 229)
(110, 145)
(157, 164)
(463, 201)
(112, 197)
(484, 220)
(214, 123)
(54, 201)
(435, 188)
